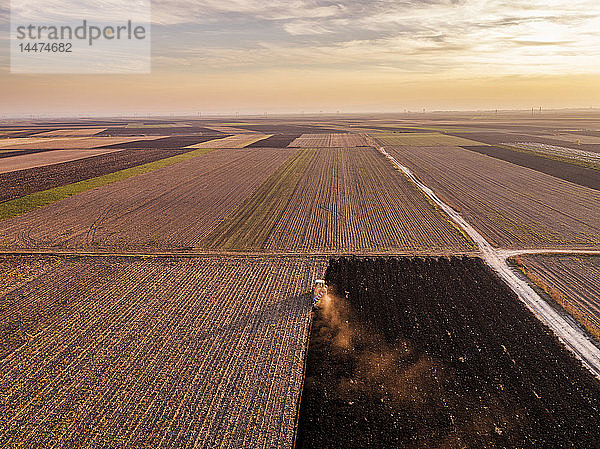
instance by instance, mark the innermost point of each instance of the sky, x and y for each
(292, 56)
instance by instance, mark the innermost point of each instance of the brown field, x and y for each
(16, 184)
(11, 141)
(166, 143)
(67, 143)
(229, 129)
(421, 139)
(342, 140)
(236, 141)
(159, 129)
(25, 161)
(128, 352)
(571, 281)
(581, 169)
(173, 207)
(74, 132)
(512, 206)
(351, 199)
(275, 141)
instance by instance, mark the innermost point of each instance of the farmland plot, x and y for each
(578, 157)
(275, 141)
(128, 352)
(421, 139)
(164, 129)
(428, 353)
(572, 281)
(23, 182)
(165, 142)
(285, 128)
(170, 208)
(342, 140)
(249, 226)
(236, 141)
(512, 206)
(572, 168)
(25, 161)
(73, 132)
(495, 138)
(351, 199)
(59, 143)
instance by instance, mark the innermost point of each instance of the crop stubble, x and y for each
(203, 352)
(571, 281)
(250, 225)
(173, 207)
(329, 140)
(512, 206)
(351, 199)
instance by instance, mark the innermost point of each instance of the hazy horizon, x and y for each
(311, 56)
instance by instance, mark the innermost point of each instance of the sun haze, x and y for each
(309, 56)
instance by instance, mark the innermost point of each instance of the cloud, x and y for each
(498, 35)
(422, 36)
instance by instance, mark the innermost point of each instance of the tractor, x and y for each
(320, 290)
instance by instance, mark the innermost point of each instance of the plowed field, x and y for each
(427, 353)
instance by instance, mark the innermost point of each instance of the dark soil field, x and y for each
(167, 142)
(25, 133)
(23, 182)
(159, 131)
(396, 129)
(587, 177)
(437, 352)
(287, 128)
(19, 153)
(276, 141)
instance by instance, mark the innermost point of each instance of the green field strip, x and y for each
(19, 206)
(250, 225)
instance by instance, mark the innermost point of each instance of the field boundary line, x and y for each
(506, 253)
(19, 206)
(189, 254)
(572, 337)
